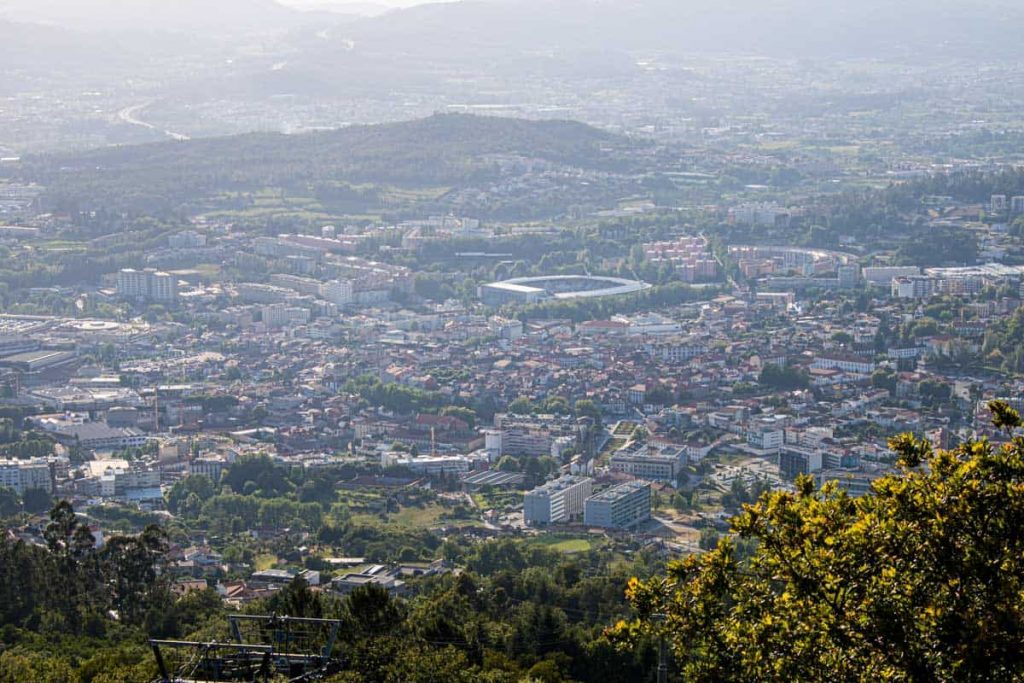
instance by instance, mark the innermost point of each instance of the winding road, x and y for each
(128, 115)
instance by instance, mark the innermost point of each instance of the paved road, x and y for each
(128, 115)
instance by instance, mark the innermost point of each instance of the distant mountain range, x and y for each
(208, 16)
(790, 28)
(41, 48)
(794, 28)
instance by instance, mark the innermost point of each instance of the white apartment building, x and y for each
(914, 287)
(854, 364)
(338, 292)
(149, 284)
(22, 475)
(557, 501)
(620, 507)
(766, 439)
(883, 275)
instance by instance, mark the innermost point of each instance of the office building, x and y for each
(530, 434)
(210, 467)
(649, 462)
(22, 475)
(338, 292)
(557, 501)
(849, 276)
(914, 287)
(188, 239)
(883, 275)
(795, 460)
(147, 285)
(620, 507)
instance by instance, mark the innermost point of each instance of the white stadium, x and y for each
(527, 290)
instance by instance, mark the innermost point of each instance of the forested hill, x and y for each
(445, 150)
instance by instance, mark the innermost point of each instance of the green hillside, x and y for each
(450, 150)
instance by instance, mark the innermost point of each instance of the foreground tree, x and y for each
(921, 580)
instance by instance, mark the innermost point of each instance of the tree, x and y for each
(884, 379)
(920, 580)
(297, 600)
(36, 500)
(467, 415)
(785, 378)
(709, 538)
(180, 497)
(269, 479)
(557, 405)
(132, 565)
(33, 666)
(371, 611)
(587, 408)
(10, 505)
(521, 406)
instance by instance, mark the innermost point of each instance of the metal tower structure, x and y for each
(263, 648)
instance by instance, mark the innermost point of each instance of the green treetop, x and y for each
(920, 580)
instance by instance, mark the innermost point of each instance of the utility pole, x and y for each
(660, 619)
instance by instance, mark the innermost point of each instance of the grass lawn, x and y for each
(265, 561)
(411, 517)
(563, 545)
(62, 245)
(614, 444)
(624, 428)
(415, 517)
(499, 500)
(210, 270)
(407, 195)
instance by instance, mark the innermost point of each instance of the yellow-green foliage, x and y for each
(922, 580)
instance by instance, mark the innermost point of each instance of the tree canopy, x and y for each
(920, 580)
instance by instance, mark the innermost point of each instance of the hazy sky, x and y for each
(342, 3)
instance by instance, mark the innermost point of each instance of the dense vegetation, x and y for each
(519, 611)
(920, 581)
(335, 167)
(1004, 343)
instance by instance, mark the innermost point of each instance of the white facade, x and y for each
(851, 364)
(492, 443)
(914, 287)
(767, 440)
(338, 292)
(22, 475)
(188, 239)
(274, 316)
(557, 501)
(883, 275)
(620, 507)
(149, 284)
(211, 468)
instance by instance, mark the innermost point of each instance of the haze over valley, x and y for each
(511, 341)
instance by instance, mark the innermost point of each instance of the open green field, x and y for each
(412, 517)
(624, 428)
(562, 544)
(418, 518)
(408, 195)
(61, 245)
(265, 561)
(498, 500)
